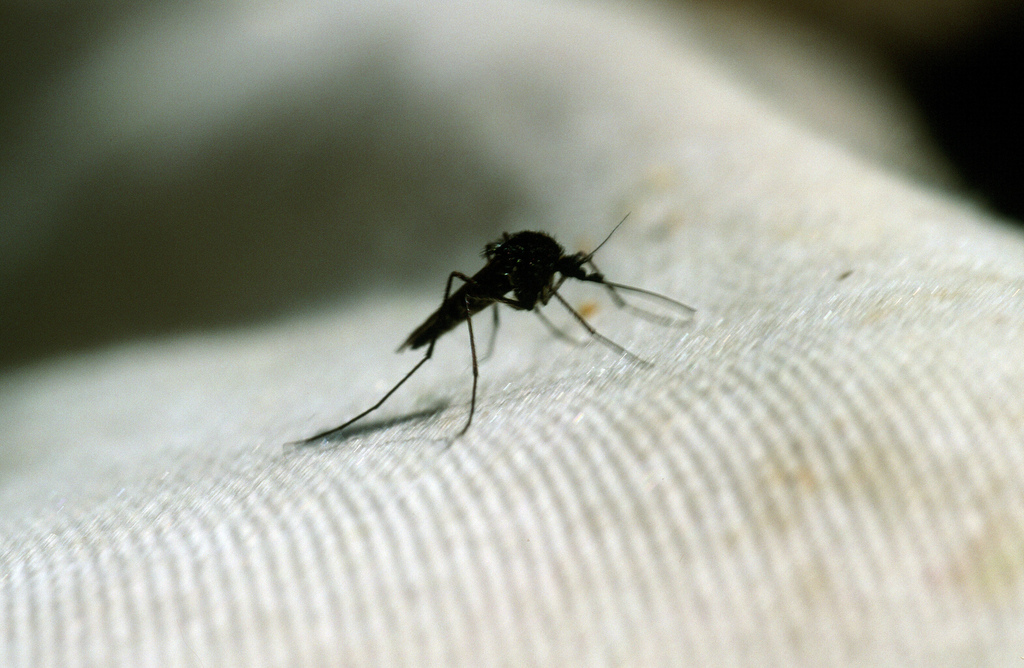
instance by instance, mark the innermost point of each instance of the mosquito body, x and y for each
(523, 271)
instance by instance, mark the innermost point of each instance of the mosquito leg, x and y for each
(600, 337)
(494, 335)
(543, 318)
(555, 330)
(430, 351)
(335, 430)
(476, 369)
(448, 285)
(616, 297)
(620, 302)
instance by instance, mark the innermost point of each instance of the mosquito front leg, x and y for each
(597, 335)
(616, 297)
(555, 330)
(620, 302)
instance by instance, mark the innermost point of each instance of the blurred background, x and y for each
(165, 167)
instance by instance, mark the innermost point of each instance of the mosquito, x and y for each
(523, 271)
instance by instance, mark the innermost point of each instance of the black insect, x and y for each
(532, 267)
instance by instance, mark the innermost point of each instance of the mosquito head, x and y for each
(571, 266)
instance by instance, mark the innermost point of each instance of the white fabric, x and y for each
(823, 468)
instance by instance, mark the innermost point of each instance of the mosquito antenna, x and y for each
(587, 257)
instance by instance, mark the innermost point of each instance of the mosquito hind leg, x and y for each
(430, 351)
(407, 376)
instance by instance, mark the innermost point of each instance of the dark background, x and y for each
(961, 61)
(968, 91)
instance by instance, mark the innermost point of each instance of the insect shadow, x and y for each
(374, 425)
(532, 266)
